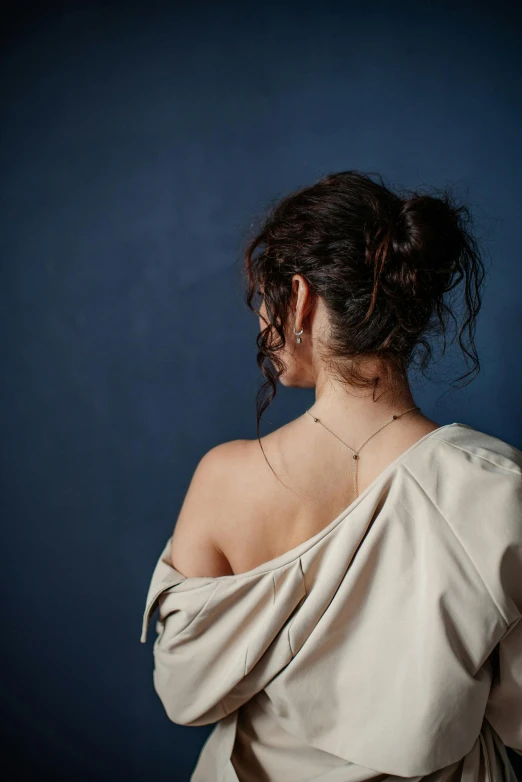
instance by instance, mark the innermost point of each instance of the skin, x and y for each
(238, 515)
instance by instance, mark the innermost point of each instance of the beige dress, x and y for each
(388, 644)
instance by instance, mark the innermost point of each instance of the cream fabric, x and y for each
(388, 644)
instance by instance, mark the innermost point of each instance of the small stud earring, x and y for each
(298, 334)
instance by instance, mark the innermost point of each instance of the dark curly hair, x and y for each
(381, 261)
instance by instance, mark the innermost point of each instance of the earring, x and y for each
(298, 334)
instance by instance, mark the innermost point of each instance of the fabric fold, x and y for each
(387, 645)
(213, 635)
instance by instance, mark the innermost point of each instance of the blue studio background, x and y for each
(140, 142)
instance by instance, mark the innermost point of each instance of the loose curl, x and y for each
(382, 262)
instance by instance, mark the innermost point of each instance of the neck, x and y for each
(357, 411)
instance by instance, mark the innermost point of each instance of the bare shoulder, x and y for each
(222, 456)
(233, 472)
(196, 541)
(247, 503)
(235, 465)
(257, 502)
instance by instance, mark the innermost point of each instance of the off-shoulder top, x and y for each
(388, 644)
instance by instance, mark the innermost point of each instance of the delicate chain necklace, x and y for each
(356, 453)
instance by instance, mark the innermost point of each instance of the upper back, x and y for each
(394, 608)
(269, 514)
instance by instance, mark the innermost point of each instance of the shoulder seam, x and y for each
(460, 542)
(479, 456)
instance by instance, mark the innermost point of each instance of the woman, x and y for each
(345, 601)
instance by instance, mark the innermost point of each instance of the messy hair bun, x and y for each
(416, 252)
(381, 261)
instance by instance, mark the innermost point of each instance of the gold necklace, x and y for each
(356, 452)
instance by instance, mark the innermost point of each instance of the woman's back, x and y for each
(265, 516)
(389, 643)
(370, 626)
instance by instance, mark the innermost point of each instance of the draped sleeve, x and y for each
(479, 495)
(219, 640)
(402, 653)
(504, 707)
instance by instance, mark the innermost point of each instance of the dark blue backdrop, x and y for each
(140, 143)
